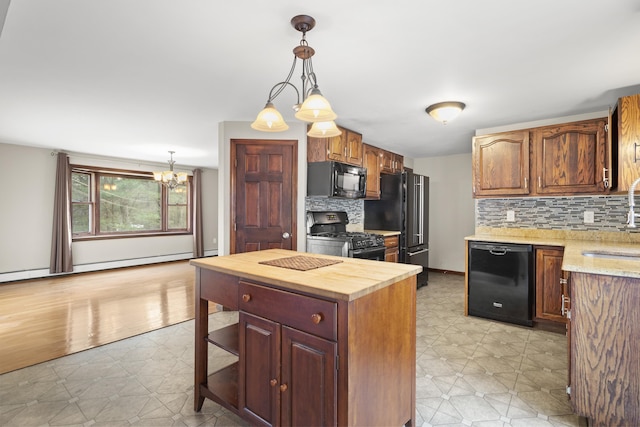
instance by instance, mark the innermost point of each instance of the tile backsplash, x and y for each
(353, 207)
(555, 213)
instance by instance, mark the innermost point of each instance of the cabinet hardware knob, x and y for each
(273, 382)
(283, 387)
(246, 297)
(316, 318)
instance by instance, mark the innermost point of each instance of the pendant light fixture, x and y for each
(445, 111)
(169, 178)
(315, 108)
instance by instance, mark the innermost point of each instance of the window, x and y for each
(110, 203)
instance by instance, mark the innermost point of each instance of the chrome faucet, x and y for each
(631, 217)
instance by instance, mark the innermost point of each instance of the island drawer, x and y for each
(308, 314)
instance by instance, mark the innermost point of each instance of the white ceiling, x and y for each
(134, 79)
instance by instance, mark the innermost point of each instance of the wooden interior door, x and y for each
(263, 200)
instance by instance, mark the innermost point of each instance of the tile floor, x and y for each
(470, 372)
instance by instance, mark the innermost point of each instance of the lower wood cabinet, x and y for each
(549, 275)
(287, 377)
(392, 248)
(605, 348)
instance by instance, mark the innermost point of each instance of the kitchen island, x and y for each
(320, 340)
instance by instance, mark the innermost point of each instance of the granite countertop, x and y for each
(620, 249)
(385, 233)
(348, 279)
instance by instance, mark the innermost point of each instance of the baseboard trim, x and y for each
(84, 268)
(456, 273)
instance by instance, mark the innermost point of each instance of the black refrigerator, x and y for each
(404, 207)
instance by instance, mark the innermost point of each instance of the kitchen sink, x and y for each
(613, 255)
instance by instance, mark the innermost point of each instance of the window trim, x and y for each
(95, 234)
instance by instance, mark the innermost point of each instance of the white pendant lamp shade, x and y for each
(324, 130)
(315, 108)
(445, 111)
(269, 120)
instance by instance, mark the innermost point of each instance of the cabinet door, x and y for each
(570, 158)
(353, 143)
(501, 164)
(259, 370)
(309, 379)
(392, 251)
(391, 162)
(371, 161)
(548, 284)
(337, 148)
(628, 140)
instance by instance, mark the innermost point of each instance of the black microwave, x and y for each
(335, 179)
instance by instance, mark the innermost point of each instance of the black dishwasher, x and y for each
(501, 282)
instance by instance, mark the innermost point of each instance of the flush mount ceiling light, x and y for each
(445, 111)
(315, 108)
(169, 178)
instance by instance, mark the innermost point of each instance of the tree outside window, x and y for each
(120, 204)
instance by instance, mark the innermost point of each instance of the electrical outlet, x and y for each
(588, 217)
(215, 240)
(511, 216)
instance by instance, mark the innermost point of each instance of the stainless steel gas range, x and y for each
(326, 234)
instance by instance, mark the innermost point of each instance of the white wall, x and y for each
(242, 130)
(27, 210)
(451, 208)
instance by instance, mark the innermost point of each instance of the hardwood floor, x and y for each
(45, 319)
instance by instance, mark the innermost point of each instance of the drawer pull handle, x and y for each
(246, 297)
(316, 318)
(273, 382)
(283, 387)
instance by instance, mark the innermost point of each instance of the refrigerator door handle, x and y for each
(418, 252)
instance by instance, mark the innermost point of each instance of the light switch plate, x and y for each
(588, 217)
(511, 216)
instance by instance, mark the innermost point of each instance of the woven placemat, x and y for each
(300, 262)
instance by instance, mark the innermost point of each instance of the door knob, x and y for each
(286, 235)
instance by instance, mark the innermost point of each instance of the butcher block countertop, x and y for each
(348, 279)
(607, 253)
(385, 233)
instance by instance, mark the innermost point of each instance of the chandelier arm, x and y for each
(283, 84)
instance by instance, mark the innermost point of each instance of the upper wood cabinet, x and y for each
(626, 138)
(570, 158)
(371, 160)
(501, 164)
(391, 162)
(564, 159)
(344, 148)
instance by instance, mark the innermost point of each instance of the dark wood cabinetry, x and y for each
(287, 377)
(570, 158)
(605, 348)
(564, 159)
(626, 138)
(392, 248)
(501, 164)
(549, 277)
(391, 162)
(344, 148)
(372, 160)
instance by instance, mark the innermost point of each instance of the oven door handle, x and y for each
(368, 250)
